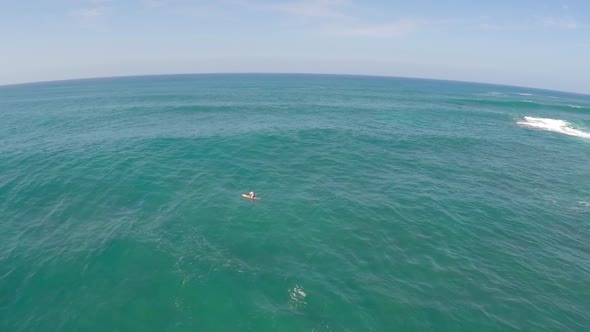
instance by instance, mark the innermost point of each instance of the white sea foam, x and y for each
(297, 296)
(525, 94)
(558, 126)
(581, 206)
(491, 93)
(297, 293)
(574, 106)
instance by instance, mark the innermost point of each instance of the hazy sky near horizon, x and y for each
(536, 43)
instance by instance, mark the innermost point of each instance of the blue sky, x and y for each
(540, 43)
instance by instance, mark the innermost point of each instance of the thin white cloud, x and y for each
(88, 12)
(506, 26)
(312, 8)
(534, 23)
(394, 29)
(337, 17)
(92, 19)
(568, 23)
(155, 3)
(300, 8)
(318, 10)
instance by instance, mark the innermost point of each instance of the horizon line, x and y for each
(287, 73)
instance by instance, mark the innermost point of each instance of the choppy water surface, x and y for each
(387, 205)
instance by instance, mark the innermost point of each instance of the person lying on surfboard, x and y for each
(251, 196)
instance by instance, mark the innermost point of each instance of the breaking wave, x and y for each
(555, 125)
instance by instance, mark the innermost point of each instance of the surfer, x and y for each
(251, 196)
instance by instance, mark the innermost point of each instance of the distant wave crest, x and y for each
(555, 125)
(520, 104)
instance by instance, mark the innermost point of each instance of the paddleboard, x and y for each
(248, 197)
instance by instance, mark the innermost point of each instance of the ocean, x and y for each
(387, 204)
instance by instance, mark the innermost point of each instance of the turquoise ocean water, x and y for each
(388, 204)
